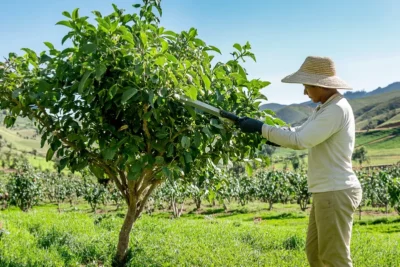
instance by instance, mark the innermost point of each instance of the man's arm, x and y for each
(308, 135)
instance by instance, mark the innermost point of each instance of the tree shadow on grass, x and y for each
(286, 215)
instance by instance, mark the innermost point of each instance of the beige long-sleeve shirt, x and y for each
(329, 136)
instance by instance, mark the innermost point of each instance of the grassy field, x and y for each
(76, 237)
(21, 143)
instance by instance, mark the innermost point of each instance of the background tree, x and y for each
(295, 160)
(108, 102)
(24, 188)
(360, 155)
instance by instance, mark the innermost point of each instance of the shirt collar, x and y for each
(327, 102)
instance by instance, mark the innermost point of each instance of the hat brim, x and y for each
(332, 82)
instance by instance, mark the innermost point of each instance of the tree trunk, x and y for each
(123, 241)
(197, 200)
(270, 202)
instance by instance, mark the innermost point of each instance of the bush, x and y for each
(24, 188)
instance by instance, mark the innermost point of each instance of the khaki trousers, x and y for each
(330, 226)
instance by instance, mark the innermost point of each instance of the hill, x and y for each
(378, 108)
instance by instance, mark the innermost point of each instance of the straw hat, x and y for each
(318, 71)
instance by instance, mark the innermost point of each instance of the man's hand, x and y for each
(248, 125)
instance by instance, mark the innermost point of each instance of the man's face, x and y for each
(313, 92)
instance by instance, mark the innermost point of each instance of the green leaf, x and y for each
(16, 93)
(238, 47)
(213, 48)
(100, 70)
(162, 135)
(160, 61)
(109, 153)
(82, 83)
(97, 13)
(49, 154)
(65, 23)
(252, 56)
(160, 147)
(128, 93)
(172, 58)
(214, 122)
(98, 172)
(170, 151)
(249, 169)
(113, 91)
(136, 5)
(170, 33)
(75, 14)
(167, 172)
(31, 53)
(206, 80)
(147, 115)
(49, 45)
(66, 13)
(134, 171)
(188, 157)
(197, 139)
(66, 37)
(126, 34)
(159, 160)
(191, 92)
(63, 164)
(185, 142)
(207, 132)
(143, 38)
(191, 111)
(89, 48)
(164, 45)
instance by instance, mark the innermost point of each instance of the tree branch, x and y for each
(146, 197)
(146, 130)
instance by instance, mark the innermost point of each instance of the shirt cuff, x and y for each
(265, 131)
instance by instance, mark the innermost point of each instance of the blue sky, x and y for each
(361, 36)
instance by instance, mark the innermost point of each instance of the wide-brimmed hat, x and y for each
(318, 71)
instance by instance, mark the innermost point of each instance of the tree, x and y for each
(272, 186)
(268, 150)
(242, 188)
(94, 193)
(360, 155)
(299, 186)
(24, 188)
(108, 102)
(295, 160)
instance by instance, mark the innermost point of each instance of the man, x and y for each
(329, 136)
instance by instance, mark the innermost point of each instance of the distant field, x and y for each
(394, 119)
(20, 143)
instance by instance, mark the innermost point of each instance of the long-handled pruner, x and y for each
(208, 108)
(213, 111)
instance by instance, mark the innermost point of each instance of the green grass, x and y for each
(44, 237)
(40, 163)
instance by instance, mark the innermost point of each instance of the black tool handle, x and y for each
(272, 144)
(228, 115)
